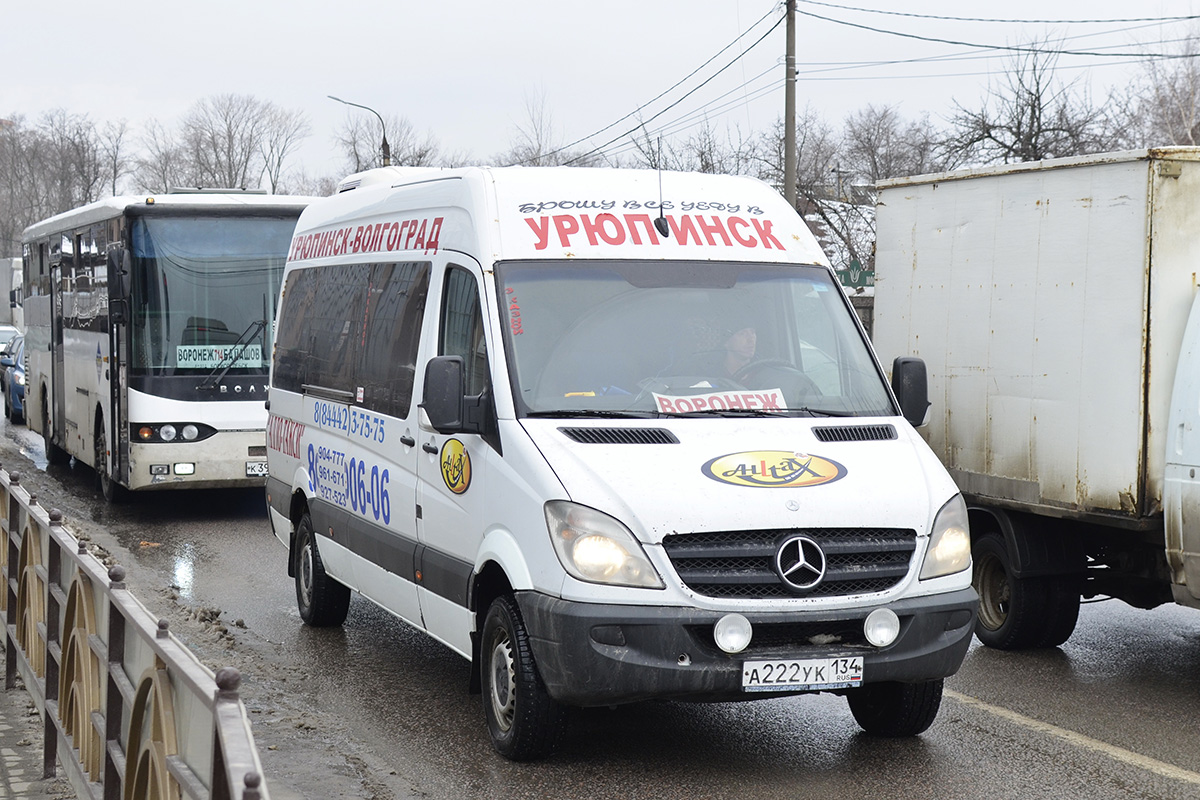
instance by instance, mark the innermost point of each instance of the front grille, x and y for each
(740, 564)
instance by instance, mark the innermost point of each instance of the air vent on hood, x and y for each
(620, 435)
(855, 433)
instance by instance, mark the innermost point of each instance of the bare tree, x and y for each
(282, 133)
(222, 136)
(360, 139)
(1164, 106)
(162, 164)
(115, 152)
(1029, 117)
(878, 143)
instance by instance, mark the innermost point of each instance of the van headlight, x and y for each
(950, 543)
(596, 548)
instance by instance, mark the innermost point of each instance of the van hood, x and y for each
(662, 477)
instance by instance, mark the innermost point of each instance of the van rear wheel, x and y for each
(525, 723)
(896, 709)
(322, 600)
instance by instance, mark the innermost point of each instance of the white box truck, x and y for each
(1054, 306)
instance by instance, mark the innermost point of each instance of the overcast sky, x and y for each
(466, 71)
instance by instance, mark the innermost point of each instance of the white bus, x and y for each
(149, 321)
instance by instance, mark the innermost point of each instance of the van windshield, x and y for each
(667, 338)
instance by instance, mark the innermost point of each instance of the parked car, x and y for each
(14, 381)
(8, 357)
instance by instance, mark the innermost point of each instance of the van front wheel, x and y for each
(525, 723)
(896, 709)
(323, 602)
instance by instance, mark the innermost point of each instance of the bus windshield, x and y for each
(203, 292)
(649, 339)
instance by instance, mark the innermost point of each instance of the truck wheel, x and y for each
(323, 602)
(525, 723)
(1062, 610)
(1010, 609)
(896, 709)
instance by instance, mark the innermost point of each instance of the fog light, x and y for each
(882, 627)
(185, 469)
(190, 432)
(160, 469)
(167, 432)
(732, 633)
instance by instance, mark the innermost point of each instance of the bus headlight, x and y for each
(597, 548)
(190, 432)
(167, 433)
(950, 542)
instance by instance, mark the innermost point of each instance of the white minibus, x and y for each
(612, 435)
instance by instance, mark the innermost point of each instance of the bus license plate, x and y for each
(805, 675)
(256, 469)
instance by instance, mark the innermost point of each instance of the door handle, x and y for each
(408, 441)
(429, 447)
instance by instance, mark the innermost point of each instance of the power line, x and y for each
(1015, 48)
(996, 19)
(704, 83)
(663, 93)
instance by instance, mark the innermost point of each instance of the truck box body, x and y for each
(1049, 302)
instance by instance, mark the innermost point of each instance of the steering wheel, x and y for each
(804, 384)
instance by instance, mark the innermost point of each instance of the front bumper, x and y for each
(592, 654)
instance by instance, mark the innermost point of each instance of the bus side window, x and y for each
(462, 332)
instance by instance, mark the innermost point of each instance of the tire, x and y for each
(895, 710)
(323, 602)
(1011, 610)
(55, 455)
(1062, 610)
(113, 491)
(524, 722)
(14, 416)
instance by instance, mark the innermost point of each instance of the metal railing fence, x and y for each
(128, 711)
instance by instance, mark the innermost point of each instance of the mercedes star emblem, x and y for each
(800, 563)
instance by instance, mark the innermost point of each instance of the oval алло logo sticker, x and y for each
(456, 466)
(773, 469)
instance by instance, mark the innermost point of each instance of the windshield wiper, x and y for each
(235, 355)
(759, 412)
(590, 412)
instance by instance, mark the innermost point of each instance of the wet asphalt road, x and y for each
(379, 710)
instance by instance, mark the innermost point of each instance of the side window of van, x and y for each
(462, 328)
(343, 327)
(395, 306)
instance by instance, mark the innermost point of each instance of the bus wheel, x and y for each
(54, 454)
(896, 709)
(113, 492)
(323, 602)
(525, 723)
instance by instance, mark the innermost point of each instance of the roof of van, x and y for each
(505, 213)
(109, 207)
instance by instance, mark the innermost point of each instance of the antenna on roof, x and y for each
(660, 224)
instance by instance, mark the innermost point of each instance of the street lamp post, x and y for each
(384, 148)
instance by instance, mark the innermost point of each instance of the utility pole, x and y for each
(789, 109)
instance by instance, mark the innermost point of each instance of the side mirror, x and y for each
(120, 266)
(911, 385)
(443, 395)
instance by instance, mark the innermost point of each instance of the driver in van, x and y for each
(723, 348)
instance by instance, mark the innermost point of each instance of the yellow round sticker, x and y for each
(773, 469)
(456, 466)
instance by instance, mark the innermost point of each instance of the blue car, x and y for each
(14, 386)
